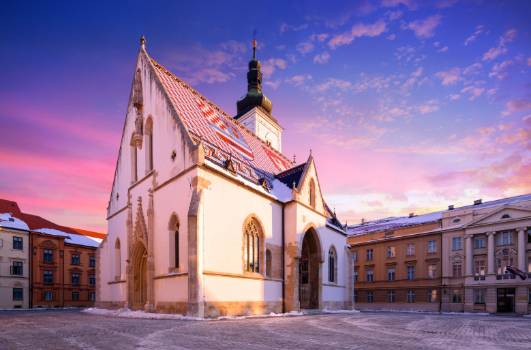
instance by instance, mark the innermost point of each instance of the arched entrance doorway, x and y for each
(139, 276)
(310, 271)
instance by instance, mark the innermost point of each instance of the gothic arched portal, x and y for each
(310, 271)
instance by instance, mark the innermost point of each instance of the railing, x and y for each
(479, 278)
(506, 276)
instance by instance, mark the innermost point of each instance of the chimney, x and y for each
(477, 201)
(451, 207)
(363, 221)
(411, 215)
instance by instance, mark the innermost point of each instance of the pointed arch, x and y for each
(174, 242)
(117, 260)
(332, 265)
(134, 160)
(148, 135)
(253, 245)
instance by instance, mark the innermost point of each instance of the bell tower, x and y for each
(254, 109)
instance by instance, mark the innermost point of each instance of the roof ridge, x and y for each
(290, 170)
(213, 104)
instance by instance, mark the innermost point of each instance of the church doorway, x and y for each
(139, 277)
(309, 271)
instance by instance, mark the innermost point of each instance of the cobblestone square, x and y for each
(72, 329)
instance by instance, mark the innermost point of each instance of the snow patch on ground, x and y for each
(126, 313)
(326, 311)
(428, 312)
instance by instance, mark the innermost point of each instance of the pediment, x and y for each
(502, 214)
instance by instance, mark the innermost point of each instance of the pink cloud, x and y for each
(450, 76)
(357, 31)
(321, 58)
(425, 28)
(501, 49)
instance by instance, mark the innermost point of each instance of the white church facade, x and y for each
(207, 217)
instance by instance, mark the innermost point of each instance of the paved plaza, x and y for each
(72, 329)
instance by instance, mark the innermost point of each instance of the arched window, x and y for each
(332, 265)
(148, 131)
(506, 216)
(268, 263)
(312, 193)
(117, 260)
(134, 161)
(252, 245)
(174, 242)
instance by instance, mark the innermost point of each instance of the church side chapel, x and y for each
(207, 217)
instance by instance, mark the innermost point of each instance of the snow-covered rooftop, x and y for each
(71, 238)
(8, 221)
(393, 223)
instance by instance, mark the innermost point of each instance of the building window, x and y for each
(252, 238)
(75, 278)
(479, 296)
(457, 243)
(92, 280)
(410, 296)
(370, 254)
(411, 272)
(312, 193)
(117, 260)
(355, 275)
(174, 239)
(92, 296)
(479, 268)
(332, 265)
(370, 275)
(75, 296)
(456, 296)
(391, 296)
(17, 268)
(370, 297)
(355, 296)
(479, 242)
(92, 261)
(76, 260)
(410, 251)
(355, 256)
(528, 236)
(47, 295)
(391, 274)
(17, 243)
(47, 256)
(457, 270)
(432, 270)
(529, 264)
(18, 294)
(432, 246)
(432, 296)
(134, 162)
(391, 252)
(529, 295)
(47, 277)
(504, 238)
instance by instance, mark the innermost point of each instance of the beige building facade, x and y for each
(479, 242)
(14, 263)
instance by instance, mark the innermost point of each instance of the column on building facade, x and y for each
(469, 256)
(490, 253)
(521, 249)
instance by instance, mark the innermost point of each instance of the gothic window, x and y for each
(312, 193)
(134, 163)
(268, 263)
(117, 260)
(174, 242)
(252, 241)
(332, 265)
(148, 130)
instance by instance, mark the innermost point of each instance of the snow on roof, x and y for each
(71, 238)
(8, 221)
(498, 202)
(393, 223)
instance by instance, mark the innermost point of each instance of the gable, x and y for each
(310, 190)
(505, 213)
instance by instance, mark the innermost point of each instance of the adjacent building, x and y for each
(14, 263)
(397, 263)
(452, 261)
(43, 264)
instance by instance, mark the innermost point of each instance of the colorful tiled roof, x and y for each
(224, 137)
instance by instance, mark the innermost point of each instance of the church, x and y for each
(207, 217)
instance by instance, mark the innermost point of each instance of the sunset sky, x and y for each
(407, 106)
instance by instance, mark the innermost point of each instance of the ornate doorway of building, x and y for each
(139, 276)
(505, 300)
(310, 271)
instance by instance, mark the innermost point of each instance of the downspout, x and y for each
(283, 263)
